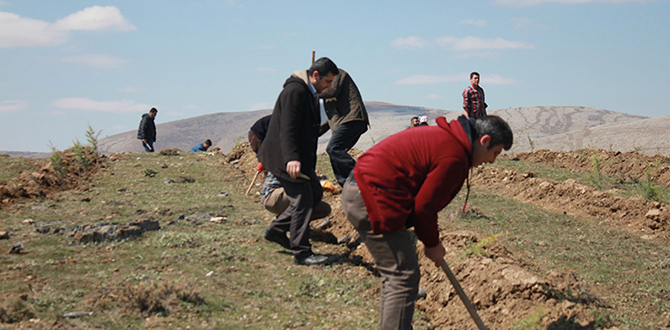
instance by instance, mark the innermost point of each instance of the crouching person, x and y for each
(274, 199)
(403, 182)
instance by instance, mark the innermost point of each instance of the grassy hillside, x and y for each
(192, 255)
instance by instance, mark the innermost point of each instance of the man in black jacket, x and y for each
(289, 152)
(147, 130)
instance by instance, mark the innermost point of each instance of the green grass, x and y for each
(202, 275)
(189, 273)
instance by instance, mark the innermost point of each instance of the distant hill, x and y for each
(551, 127)
(26, 154)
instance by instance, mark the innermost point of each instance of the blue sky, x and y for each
(69, 64)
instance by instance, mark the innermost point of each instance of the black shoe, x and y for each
(278, 238)
(313, 259)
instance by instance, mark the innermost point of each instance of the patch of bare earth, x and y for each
(570, 197)
(626, 165)
(45, 180)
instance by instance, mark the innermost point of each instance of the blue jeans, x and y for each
(344, 138)
(148, 146)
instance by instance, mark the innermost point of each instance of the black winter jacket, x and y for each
(147, 128)
(293, 130)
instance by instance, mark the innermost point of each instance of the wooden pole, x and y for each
(252, 183)
(313, 54)
(471, 309)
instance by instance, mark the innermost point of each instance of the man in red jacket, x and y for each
(404, 181)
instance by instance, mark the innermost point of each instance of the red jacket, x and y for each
(408, 177)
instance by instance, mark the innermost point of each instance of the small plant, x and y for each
(149, 172)
(531, 143)
(648, 190)
(473, 248)
(56, 160)
(238, 140)
(92, 138)
(637, 149)
(532, 321)
(597, 176)
(80, 154)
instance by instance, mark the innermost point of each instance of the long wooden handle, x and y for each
(252, 183)
(464, 298)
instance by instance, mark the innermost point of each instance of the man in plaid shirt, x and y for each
(473, 98)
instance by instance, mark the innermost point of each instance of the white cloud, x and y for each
(96, 60)
(460, 44)
(474, 43)
(131, 89)
(425, 79)
(525, 3)
(463, 77)
(409, 42)
(96, 18)
(17, 31)
(81, 103)
(8, 106)
(475, 22)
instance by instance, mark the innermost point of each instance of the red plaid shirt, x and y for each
(473, 101)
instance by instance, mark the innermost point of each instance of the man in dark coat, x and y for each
(147, 130)
(289, 152)
(347, 119)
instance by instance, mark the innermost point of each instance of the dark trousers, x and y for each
(396, 260)
(343, 139)
(148, 146)
(295, 219)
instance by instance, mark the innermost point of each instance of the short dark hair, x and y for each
(474, 73)
(497, 128)
(208, 142)
(415, 117)
(153, 110)
(323, 66)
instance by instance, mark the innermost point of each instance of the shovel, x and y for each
(252, 183)
(464, 298)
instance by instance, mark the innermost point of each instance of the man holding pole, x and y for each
(289, 152)
(404, 181)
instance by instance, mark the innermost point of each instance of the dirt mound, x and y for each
(570, 197)
(628, 166)
(499, 285)
(65, 170)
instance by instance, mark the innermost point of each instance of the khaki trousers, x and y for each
(395, 257)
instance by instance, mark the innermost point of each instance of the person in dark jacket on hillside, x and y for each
(289, 152)
(404, 181)
(147, 130)
(347, 119)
